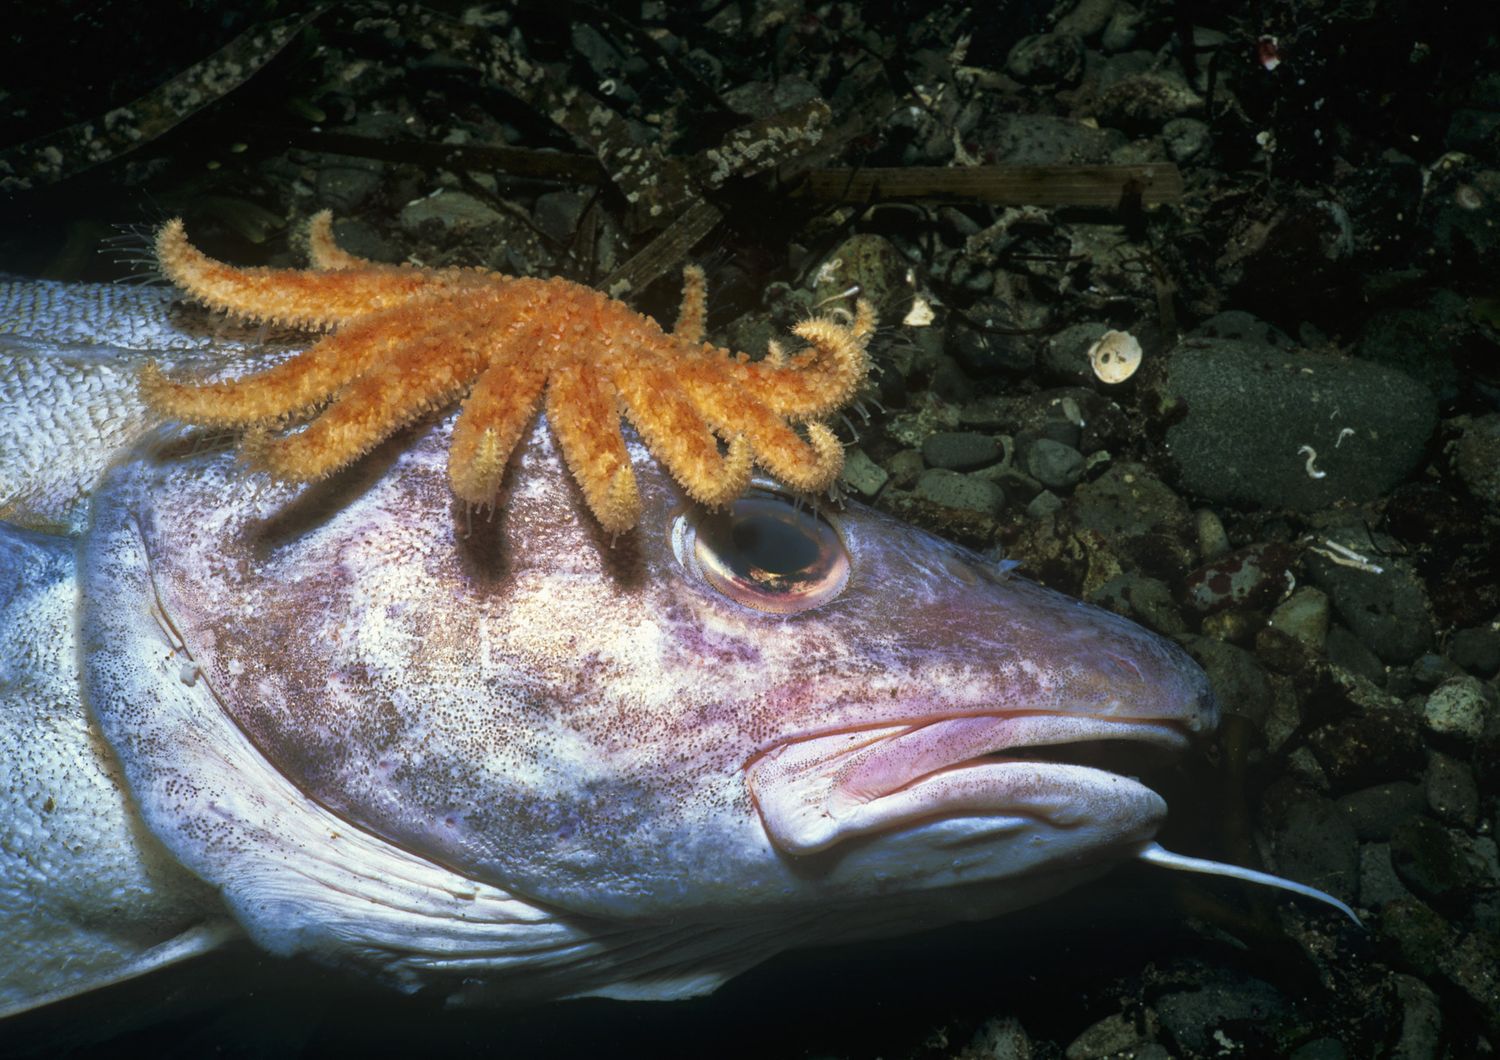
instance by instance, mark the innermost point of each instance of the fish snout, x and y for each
(1130, 673)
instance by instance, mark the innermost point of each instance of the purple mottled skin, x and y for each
(500, 754)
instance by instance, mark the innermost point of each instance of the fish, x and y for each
(503, 755)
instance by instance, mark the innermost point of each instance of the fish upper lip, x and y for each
(956, 742)
(808, 787)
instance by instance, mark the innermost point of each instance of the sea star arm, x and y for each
(420, 375)
(295, 385)
(810, 465)
(584, 416)
(694, 310)
(818, 380)
(324, 252)
(296, 297)
(494, 416)
(676, 433)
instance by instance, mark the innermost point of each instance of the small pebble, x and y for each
(1053, 464)
(863, 475)
(961, 450)
(1456, 708)
(1304, 615)
(950, 489)
(1477, 650)
(1452, 791)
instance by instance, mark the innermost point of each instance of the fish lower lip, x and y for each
(819, 790)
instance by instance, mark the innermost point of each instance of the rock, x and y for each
(980, 343)
(1138, 515)
(1476, 650)
(905, 467)
(1041, 139)
(863, 475)
(1056, 414)
(942, 375)
(1252, 577)
(1387, 610)
(1053, 464)
(762, 99)
(1237, 678)
(1065, 355)
(1374, 811)
(1213, 540)
(1419, 933)
(1461, 213)
(1346, 651)
(1123, 28)
(950, 489)
(961, 450)
(988, 414)
(558, 214)
(1304, 616)
(1434, 863)
(1474, 131)
(1217, 1019)
(455, 210)
(1087, 18)
(1378, 882)
(1046, 59)
(1421, 1020)
(1374, 747)
(1418, 341)
(1141, 104)
(998, 1039)
(342, 188)
(1185, 138)
(1452, 792)
(1473, 966)
(1043, 505)
(1251, 414)
(1305, 227)
(1477, 457)
(1431, 669)
(874, 265)
(1242, 327)
(1115, 1035)
(1147, 600)
(1384, 199)
(1316, 845)
(1320, 1049)
(1457, 707)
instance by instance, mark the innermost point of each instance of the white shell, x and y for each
(1115, 356)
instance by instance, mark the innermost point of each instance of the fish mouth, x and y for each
(1001, 772)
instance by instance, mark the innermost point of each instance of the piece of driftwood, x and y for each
(663, 253)
(564, 167)
(64, 152)
(1006, 185)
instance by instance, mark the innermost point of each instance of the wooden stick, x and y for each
(1054, 185)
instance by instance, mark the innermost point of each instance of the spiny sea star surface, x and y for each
(406, 341)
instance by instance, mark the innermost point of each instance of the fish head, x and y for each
(780, 706)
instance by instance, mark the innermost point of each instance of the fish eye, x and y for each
(764, 551)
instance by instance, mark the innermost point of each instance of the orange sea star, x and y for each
(406, 341)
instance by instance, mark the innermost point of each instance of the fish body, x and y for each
(502, 755)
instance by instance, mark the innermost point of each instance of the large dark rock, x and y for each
(1247, 411)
